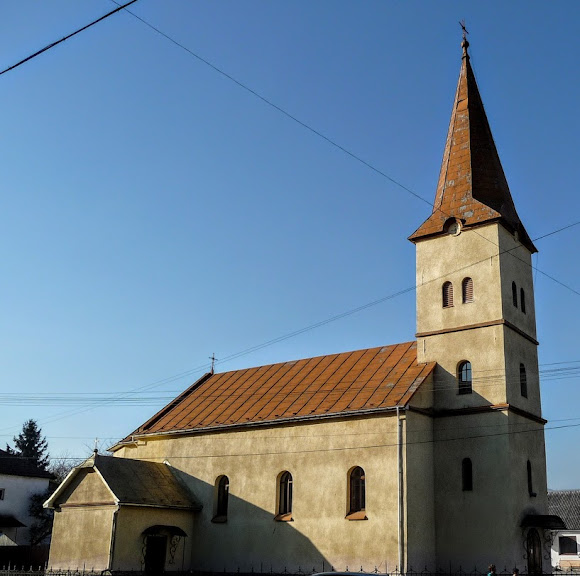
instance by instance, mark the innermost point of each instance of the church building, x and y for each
(422, 455)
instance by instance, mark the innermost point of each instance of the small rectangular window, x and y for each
(568, 545)
(1, 493)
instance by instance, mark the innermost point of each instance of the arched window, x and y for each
(447, 295)
(357, 490)
(466, 475)
(522, 300)
(222, 490)
(464, 378)
(515, 294)
(530, 484)
(285, 495)
(467, 290)
(523, 381)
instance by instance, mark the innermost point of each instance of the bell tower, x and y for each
(476, 319)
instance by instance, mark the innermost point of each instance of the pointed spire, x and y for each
(472, 186)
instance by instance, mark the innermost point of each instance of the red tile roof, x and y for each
(337, 384)
(472, 185)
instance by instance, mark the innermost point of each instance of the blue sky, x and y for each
(153, 212)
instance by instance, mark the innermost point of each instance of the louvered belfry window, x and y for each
(447, 295)
(467, 290)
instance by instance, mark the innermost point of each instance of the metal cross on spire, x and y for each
(464, 42)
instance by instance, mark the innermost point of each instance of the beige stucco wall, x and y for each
(419, 490)
(81, 534)
(518, 351)
(129, 545)
(527, 443)
(474, 528)
(516, 266)
(81, 538)
(473, 254)
(484, 348)
(319, 457)
(486, 521)
(483, 525)
(86, 487)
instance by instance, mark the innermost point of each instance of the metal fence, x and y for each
(16, 570)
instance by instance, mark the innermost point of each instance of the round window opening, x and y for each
(453, 227)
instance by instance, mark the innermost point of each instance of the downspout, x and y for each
(113, 534)
(400, 515)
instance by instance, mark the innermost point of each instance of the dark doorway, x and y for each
(155, 550)
(534, 550)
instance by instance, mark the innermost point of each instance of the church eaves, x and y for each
(472, 186)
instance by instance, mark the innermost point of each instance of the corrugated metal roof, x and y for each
(566, 504)
(341, 384)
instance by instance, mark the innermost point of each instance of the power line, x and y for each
(326, 138)
(53, 44)
(495, 378)
(539, 429)
(311, 129)
(556, 231)
(275, 106)
(205, 366)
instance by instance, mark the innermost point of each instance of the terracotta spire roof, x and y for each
(472, 186)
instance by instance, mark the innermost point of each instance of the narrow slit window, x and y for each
(530, 484)
(467, 475)
(464, 378)
(515, 294)
(467, 290)
(447, 295)
(522, 300)
(523, 381)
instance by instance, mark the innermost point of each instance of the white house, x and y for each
(566, 543)
(19, 480)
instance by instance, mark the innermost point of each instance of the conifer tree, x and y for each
(30, 443)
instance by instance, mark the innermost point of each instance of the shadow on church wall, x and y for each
(481, 480)
(250, 540)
